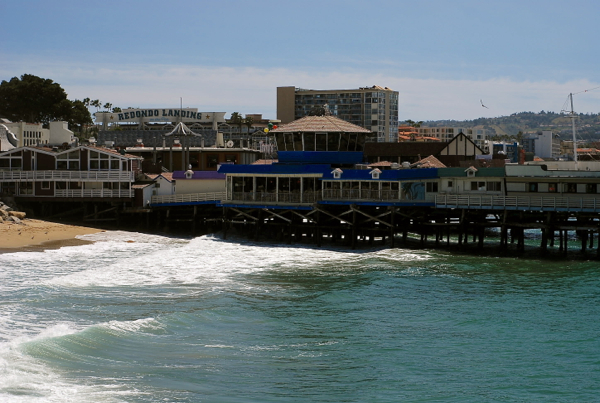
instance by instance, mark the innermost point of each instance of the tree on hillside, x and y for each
(76, 114)
(31, 99)
(40, 100)
(413, 123)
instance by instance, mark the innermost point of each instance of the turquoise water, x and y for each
(143, 318)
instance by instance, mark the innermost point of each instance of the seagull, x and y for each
(483, 104)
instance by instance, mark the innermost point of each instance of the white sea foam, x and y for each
(24, 378)
(125, 259)
(403, 255)
(133, 326)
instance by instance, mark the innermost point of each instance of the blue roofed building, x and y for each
(321, 160)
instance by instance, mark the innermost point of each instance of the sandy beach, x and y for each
(33, 234)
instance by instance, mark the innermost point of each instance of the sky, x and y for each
(444, 57)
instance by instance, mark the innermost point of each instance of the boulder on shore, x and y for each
(19, 214)
(14, 219)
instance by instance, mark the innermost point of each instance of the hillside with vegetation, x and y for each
(523, 123)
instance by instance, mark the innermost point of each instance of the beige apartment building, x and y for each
(375, 108)
(33, 134)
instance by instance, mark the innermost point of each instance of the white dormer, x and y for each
(375, 173)
(337, 173)
(471, 171)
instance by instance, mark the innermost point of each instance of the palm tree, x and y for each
(96, 103)
(249, 121)
(236, 119)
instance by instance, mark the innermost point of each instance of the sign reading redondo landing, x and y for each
(160, 115)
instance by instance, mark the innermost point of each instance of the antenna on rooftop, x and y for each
(572, 115)
(574, 133)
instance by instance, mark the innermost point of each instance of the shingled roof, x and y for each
(428, 162)
(329, 124)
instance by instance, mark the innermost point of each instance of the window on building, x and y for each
(477, 186)
(431, 187)
(309, 142)
(591, 188)
(571, 187)
(10, 162)
(494, 186)
(68, 161)
(212, 161)
(26, 188)
(45, 185)
(552, 188)
(450, 184)
(533, 187)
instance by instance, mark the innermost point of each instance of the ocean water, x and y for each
(145, 318)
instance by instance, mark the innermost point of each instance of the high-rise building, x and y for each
(545, 144)
(374, 108)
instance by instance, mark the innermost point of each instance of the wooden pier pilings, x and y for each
(356, 225)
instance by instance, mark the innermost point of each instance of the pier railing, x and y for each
(326, 194)
(108, 176)
(590, 204)
(272, 197)
(188, 198)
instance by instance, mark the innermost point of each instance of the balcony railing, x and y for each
(96, 193)
(108, 176)
(188, 198)
(362, 194)
(282, 197)
(519, 203)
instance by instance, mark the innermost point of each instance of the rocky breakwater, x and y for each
(9, 215)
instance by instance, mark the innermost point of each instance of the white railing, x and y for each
(115, 176)
(272, 197)
(519, 202)
(361, 194)
(188, 198)
(85, 193)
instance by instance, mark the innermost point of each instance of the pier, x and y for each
(439, 226)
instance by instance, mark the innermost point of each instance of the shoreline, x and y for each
(38, 235)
